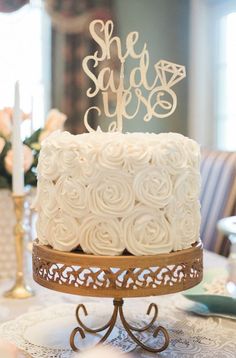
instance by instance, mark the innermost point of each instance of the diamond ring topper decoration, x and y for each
(155, 95)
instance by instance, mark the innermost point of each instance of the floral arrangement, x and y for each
(55, 121)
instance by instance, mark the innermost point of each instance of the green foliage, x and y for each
(30, 176)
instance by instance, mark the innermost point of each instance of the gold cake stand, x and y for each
(118, 277)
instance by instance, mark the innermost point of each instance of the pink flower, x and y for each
(28, 159)
(2, 144)
(5, 123)
(10, 111)
(6, 115)
(55, 120)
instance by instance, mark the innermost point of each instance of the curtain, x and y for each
(71, 42)
(12, 5)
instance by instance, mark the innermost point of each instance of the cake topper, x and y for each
(155, 95)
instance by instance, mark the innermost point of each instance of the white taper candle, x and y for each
(17, 147)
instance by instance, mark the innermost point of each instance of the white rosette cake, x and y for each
(105, 193)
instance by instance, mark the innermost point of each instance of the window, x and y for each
(226, 84)
(25, 56)
(212, 73)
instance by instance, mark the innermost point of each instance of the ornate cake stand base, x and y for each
(118, 310)
(118, 277)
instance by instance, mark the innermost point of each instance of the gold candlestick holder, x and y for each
(20, 289)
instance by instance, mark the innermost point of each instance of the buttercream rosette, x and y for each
(187, 185)
(48, 164)
(153, 187)
(193, 153)
(137, 154)
(45, 200)
(185, 220)
(99, 237)
(111, 153)
(111, 195)
(62, 232)
(78, 162)
(147, 232)
(41, 228)
(170, 153)
(71, 196)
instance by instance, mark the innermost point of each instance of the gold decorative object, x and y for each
(118, 310)
(118, 277)
(20, 289)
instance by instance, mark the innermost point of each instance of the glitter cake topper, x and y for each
(158, 98)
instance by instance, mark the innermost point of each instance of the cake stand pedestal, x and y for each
(118, 277)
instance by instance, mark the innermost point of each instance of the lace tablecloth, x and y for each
(190, 335)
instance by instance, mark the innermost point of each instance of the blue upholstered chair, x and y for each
(218, 196)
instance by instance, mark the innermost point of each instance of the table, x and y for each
(191, 335)
(228, 227)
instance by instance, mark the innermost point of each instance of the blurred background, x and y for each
(43, 43)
